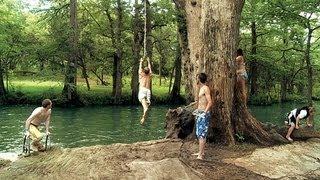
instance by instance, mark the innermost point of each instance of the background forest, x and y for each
(87, 52)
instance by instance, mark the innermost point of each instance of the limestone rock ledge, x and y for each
(169, 159)
(299, 160)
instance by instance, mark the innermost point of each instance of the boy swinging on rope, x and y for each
(144, 87)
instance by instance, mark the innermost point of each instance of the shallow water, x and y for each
(77, 127)
(87, 126)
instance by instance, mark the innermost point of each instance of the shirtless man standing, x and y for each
(38, 116)
(144, 87)
(203, 114)
(242, 75)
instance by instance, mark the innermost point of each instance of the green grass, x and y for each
(31, 90)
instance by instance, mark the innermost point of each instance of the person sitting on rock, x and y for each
(296, 115)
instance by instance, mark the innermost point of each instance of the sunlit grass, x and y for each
(34, 88)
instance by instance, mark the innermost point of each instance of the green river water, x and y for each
(77, 127)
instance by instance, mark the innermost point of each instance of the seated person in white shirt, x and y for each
(296, 115)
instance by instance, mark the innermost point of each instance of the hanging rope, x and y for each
(145, 31)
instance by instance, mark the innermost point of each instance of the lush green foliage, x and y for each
(281, 30)
(34, 44)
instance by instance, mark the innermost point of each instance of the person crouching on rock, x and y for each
(296, 115)
(38, 116)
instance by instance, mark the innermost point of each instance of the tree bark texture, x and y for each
(182, 54)
(175, 92)
(187, 9)
(84, 71)
(213, 31)
(70, 85)
(117, 57)
(253, 64)
(136, 49)
(2, 88)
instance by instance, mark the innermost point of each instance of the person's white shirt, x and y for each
(302, 114)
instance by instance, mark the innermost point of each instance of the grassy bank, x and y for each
(32, 90)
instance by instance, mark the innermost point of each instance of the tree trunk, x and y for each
(160, 48)
(309, 67)
(212, 42)
(137, 41)
(175, 92)
(253, 64)
(117, 76)
(184, 45)
(84, 72)
(70, 85)
(283, 90)
(41, 62)
(117, 58)
(2, 87)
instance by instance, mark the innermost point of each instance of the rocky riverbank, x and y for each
(169, 159)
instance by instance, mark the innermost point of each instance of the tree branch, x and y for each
(316, 28)
(94, 19)
(111, 26)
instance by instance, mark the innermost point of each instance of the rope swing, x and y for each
(145, 31)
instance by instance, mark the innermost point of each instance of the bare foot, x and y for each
(200, 157)
(291, 140)
(142, 121)
(195, 154)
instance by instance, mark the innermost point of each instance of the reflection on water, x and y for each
(84, 126)
(88, 126)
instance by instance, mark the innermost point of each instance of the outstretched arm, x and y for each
(140, 65)
(149, 65)
(48, 123)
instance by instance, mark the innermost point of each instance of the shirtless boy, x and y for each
(203, 114)
(144, 87)
(38, 116)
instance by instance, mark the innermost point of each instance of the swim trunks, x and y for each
(144, 93)
(202, 124)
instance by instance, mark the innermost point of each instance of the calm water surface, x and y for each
(88, 126)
